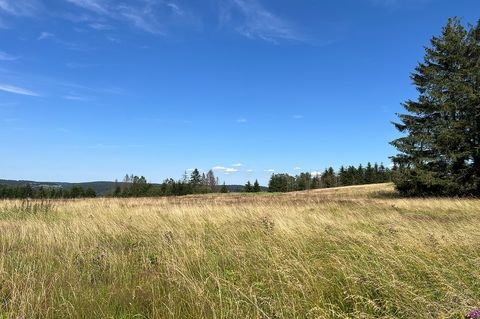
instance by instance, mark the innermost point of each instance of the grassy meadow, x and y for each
(355, 252)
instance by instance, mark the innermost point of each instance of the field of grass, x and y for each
(356, 252)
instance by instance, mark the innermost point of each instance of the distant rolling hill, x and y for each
(101, 187)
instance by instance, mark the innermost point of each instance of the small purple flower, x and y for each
(474, 314)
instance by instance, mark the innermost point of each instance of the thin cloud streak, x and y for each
(100, 26)
(7, 57)
(93, 5)
(45, 35)
(16, 90)
(75, 98)
(250, 19)
(56, 87)
(143, 17)
(19, 7)
(386, 3)
(48, 36)
(395, 4)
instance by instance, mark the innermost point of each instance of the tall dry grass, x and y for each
(355, 252)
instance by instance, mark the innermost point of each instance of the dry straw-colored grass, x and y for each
(354, 252)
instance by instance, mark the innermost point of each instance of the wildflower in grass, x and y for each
(474, 314)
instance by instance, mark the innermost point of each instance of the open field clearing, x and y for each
(355, 252)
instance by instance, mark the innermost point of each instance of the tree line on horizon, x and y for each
(345, 176)
(45, 192)
(196, 183)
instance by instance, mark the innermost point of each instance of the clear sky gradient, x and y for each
(94, 89)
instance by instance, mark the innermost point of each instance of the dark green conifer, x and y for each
(440, 152)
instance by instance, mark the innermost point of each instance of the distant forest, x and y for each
(44, 192)
(346, 176)
(201, 183)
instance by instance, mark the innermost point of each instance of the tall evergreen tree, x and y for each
(360, 175)
(224, 188)
(316, 182)
(281, 183)
(248, 187)
(369, 174)
(440, 152)
(342, 177)
(256, 187)
(195, 178)
(329, 178)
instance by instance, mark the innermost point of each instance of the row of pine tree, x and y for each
(196, 183)
(346, 176)
(45, 192)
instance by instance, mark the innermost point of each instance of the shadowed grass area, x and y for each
(336, 253)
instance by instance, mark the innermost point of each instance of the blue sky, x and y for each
(93, 89)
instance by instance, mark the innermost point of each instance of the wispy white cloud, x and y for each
(17, 90)
(147, 15)
(298, 117)
(237, 165)
(395, 4)
(75, 98)
(297, 168)
(242, 120)
(97, 6)
(271, 170)
(54, 87)
(112, 39)
(19, 7)
(225, 170)
(100, 26)
(7, 57)
(73, 65)
(102, 146)
(142, 18)
(249, 170)
(45, 35)
(175, 8)
(251, 19)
